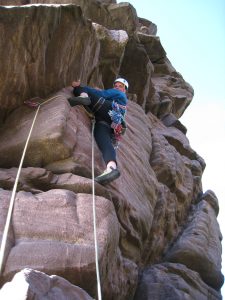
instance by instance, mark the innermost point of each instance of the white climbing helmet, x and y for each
(122, 80)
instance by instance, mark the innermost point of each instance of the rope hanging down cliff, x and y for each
(12, 199)
(34, 104)
(94, 210)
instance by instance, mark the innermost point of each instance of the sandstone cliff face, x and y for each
(157, 229)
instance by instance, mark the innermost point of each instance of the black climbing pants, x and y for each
(103, 136)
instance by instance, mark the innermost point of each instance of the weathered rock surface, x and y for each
(37, 285)
(173, 281)
(64, 244)
(155, 220)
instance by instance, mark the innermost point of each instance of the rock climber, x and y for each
(109, 108)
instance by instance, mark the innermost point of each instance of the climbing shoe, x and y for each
(108, 176)
(80, 100)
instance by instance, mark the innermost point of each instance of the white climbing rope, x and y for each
(94, 212)
(12, 199)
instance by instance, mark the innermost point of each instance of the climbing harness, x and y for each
(98, 105)
(35, 103)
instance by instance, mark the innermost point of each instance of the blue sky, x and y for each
(193, 34)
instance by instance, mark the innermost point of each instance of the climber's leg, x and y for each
(103, 134)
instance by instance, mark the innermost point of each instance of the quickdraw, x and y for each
(33, 102)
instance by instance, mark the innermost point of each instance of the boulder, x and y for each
(169, 281)
(30, 284)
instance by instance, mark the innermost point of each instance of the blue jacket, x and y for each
(109, 94)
